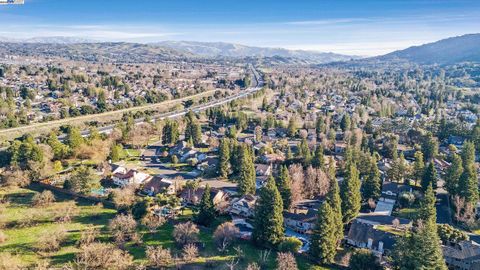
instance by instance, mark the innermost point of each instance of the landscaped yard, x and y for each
(23, 234)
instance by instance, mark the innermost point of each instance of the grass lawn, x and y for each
(21, 240)
(408, 213)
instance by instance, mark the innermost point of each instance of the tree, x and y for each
(420, 249)
(247, 175)
(225, 234)
(185, 233)
(45, 198)
(318, 159)
(103, 256)
(284, 186)
(292, 127)
(304, 151)
(290, 244)
(430, 177)
(418, 167)
(268, 224)
(345, 123)
(468, 153)
(153, 222)
(207, 210)
(468, 184)
(333, 199)
(452, 177)
(193, 131)
(286, 261)
(372, 187)
(224, 157)
(350, 194)
(74, 138)
(123, 228)
(159, 257)
(364, 259)
(170, 133)
(430, 147)
(82, 180)
(123, 198)
(115, 152)
(189, 252)
(323, 240)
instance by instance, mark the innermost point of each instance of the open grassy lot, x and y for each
(24, 224)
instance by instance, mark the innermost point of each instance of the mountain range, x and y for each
(452, 50)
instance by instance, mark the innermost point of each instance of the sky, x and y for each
(355, 27)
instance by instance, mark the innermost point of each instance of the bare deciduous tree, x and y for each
(88, 236)
(159, 256)
(123, 197)
(50, 241)
(45, 198)
(286, 261)
(185, 233)
(298, 183)
(225, 235)
(189, 252)
(123, 228)
(153, 222)
(103, 257)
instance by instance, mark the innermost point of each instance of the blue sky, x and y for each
(349, 27)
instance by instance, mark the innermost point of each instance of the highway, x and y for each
(257, 86)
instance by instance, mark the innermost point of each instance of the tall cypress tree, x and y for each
(224, 158)
(430, 177)
(324, 241)
(304, 152)
(319, 159)
(350, 194)
(246, 175)
(454, 172)
(284, 186)
(372, 187)
(268, 225)
(468, 184)
(207, 210)
(193, 131)
(427, 211)
(418, 167)
(333, 199)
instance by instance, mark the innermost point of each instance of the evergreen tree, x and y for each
(420, 249)
(454, 172)
(430, 177)
(345, 123)
(468, 184)
(304, 152)
(247, 175)
(206, 213)
(170, 133)
(372, 187)
(418, 167)
(350, 194)
(74, 138)
(364, 259)
(224, 158)
(319, 159)
(60, 150)
(193, 131)
(292, 127)
(468, 153)
(268, 224)
(323, 245)
(333, 199)
(115, 152)
(430, 147)
(284, 186)
(235, 150)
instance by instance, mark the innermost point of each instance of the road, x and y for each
(257, 86)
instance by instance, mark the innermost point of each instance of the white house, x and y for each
(123, 177)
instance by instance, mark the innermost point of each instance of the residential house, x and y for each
(193, 197)
(464, 255)
(123, 177)
(159, 185)
(243, 206)
(302, 216)
(363, 235)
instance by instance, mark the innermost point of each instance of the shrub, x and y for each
(10, 262)
(103, 256)
(51, 241)
(45, 198)
(190, 252)
(123, 228)
(290, 244)
(364, 259)
(286, 261)
(448, 233)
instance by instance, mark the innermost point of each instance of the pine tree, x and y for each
(74, 138)
(421, 248)
(319, 159)
(323, 245)
(372, 187)
(345, 123)
(350, 194)
(418, 167)
(468, 153)
(430, 177)
(246, 176)
(268, 225)
(207, 210)
(292, 127)
(468, 184)
(333, 199)
(452, 177)
(193, 131)
(224, 157)
(284, 186)
(304, 152)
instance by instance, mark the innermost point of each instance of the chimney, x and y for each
(370, 242)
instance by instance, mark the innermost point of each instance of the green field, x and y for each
(22, 239)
